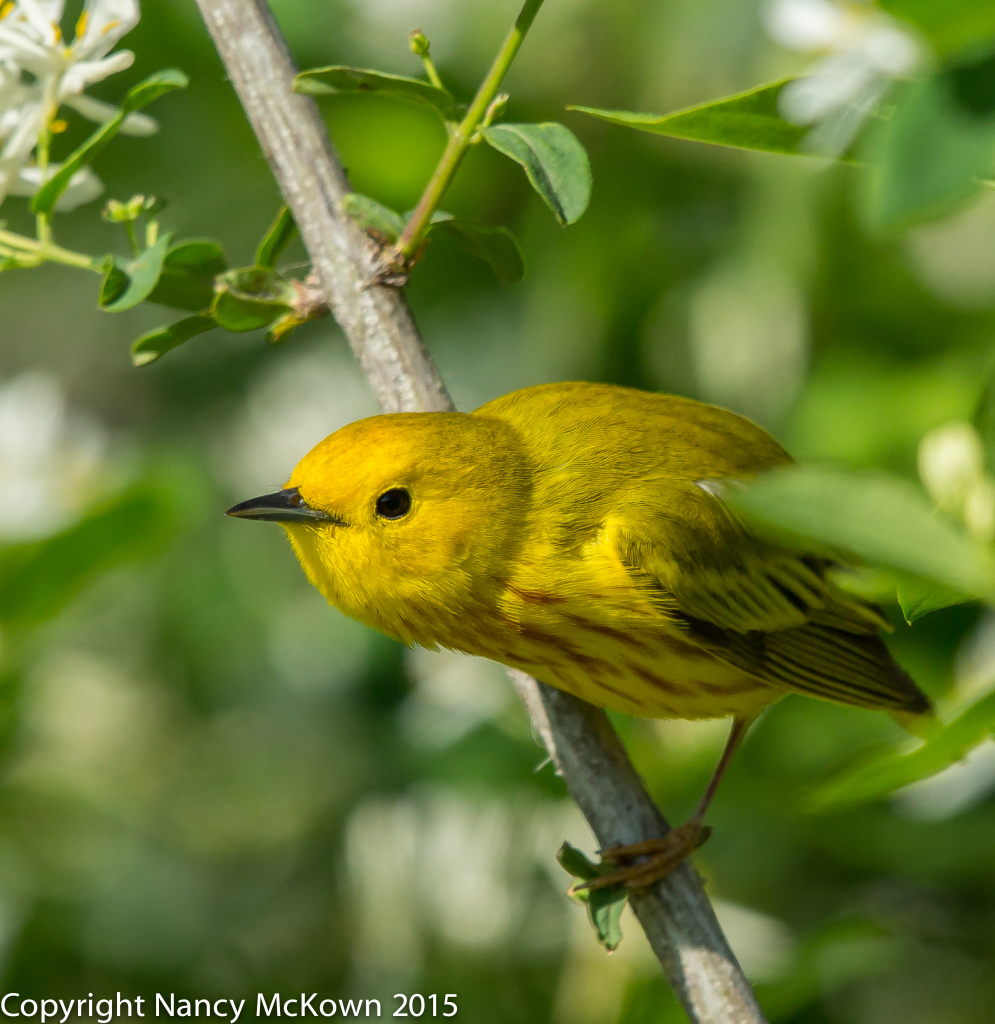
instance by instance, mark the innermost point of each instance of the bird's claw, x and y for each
(665, 855)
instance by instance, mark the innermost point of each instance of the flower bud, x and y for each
(114, 211)
(498, 106)
(134, 207)
(419, 43)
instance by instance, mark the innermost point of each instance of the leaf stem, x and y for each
(433, 75)
(43, 227)
(420, 45)
(48, 250)
(129, 227)
(461, 139)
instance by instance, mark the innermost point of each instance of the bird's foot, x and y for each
(664, 856)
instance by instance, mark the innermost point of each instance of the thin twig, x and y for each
(48, 251)
(675, 914)
(462, 138)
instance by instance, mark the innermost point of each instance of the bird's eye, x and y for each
(394, 503)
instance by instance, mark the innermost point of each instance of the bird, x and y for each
(580, 532)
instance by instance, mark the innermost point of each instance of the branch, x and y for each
(675, 914)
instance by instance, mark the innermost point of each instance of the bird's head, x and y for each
(397, 518)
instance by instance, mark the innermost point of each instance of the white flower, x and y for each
(12, 91)
(950, 458)
(31, 41)
(84, 186)
(51, 459)
(30, 38)
(19, 125)
(952, 468)
(864, 51)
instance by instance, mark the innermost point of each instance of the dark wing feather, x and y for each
(771, 612)
(849, 668)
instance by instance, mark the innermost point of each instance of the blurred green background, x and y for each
(215, 785)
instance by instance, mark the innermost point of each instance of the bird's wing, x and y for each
(769, 611)
(703, 561)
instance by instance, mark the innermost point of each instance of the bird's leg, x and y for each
(666, 853)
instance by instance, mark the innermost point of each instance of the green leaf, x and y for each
(920, 597)
(182, 291)
(149, 347)
(927, 157)
(882, 772)
(143, 275)
(916, 597)
(188, 272)
(201, 256)
(576, 863)
(604, 906)
(38, 579)
(151, 88)
(336, 78)
(369, 214)
(137, 97)
(984, 421)
(251, 298)
(115, 281)
(949, 25)
(554, 160)
(877, 585)
(236, 313)
(280, 234)
(748, 120)
(879, 519)
(495, 245)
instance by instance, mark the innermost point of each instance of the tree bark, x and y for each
(675, 913)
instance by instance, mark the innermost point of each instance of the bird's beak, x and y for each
(286, 506)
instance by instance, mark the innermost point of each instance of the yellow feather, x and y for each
(577, 531)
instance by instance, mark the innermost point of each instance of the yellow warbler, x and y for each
(577, 532)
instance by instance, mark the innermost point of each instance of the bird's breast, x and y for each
(616, 650)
